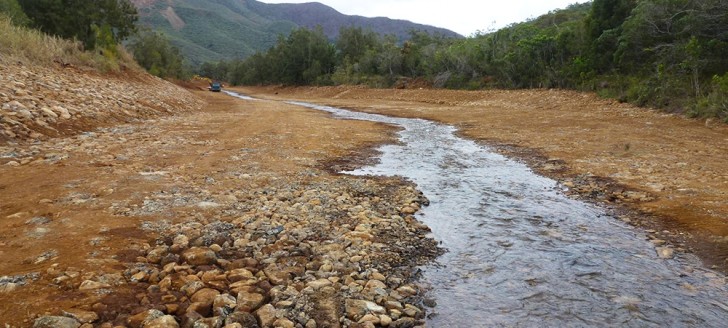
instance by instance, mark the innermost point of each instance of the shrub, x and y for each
(31, 46)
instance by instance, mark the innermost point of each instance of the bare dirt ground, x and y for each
(237, 207)
(662, 172)
(182, 214)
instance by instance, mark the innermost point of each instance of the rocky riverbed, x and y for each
(660, 172)
(328, 254)
(230, 216)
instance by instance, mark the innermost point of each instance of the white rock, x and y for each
(665, 252)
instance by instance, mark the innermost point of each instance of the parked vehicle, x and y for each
(215, 87)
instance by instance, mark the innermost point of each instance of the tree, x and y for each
(12, 9)
(603, 27)
(154, 52)
(354, 42)
(307, 57)
(83, 19)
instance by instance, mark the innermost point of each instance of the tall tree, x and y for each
(154, 52)
(12, 9)
(603, 27)
(85, 20)
(354, 42)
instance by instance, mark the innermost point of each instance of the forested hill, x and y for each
(664, 54)
(211, 30)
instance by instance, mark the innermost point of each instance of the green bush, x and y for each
(12, 9)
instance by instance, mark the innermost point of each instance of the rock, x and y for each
(207, 205)
(138, 320)
(374, 319)
(377, 276)
(249, 302)
(213, 322)
(665, 252)
(283, 323)
(404, 323)
(385, 320)
(166, 321)
(181, 240)
(139, 276)
(318, 284)
(394, 305)
(14, 106)
(245, 319)
(239, 274)
(155, 255)
(205, 296)
(48, 112)
(202, 309)
(406, 291)
(81, 315)
(56, 322)
(199, 256)
(90, 284)
(408, 210)
(224, 304)
(276, 274)
(266, 315)
(356, 309)
(62, 112)
(374, 284)
(192, 287)
(234, 325)
(412, 311)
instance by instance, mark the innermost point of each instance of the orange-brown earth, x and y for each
(232, 206)
(670, 172)
(107, 225)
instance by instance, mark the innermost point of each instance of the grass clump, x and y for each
(33, 47)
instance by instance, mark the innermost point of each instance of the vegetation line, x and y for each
(667, 54)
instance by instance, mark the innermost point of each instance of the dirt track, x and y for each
(669, 171)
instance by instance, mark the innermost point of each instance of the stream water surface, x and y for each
(522, 254)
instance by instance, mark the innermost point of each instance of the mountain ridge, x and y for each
(212, 30)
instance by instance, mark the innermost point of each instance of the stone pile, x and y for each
(41, 102)
(334, 253)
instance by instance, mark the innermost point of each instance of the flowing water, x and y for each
(521, 254)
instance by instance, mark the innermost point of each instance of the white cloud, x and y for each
(462, 16)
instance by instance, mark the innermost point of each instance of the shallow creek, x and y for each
(521, 253)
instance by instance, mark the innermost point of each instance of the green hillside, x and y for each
(211, 30)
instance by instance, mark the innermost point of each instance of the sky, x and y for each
(465, 17)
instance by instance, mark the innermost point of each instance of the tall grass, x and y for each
(31, 46)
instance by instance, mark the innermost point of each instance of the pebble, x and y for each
(266, 315)
(81, 316)
(199, 256)
(90, 284)
(56, 322)
(665, 252)
(166, 321)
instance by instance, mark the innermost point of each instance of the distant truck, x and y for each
(215, 87)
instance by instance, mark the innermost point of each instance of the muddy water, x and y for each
(521, 254)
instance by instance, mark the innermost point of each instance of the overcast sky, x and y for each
(462, 16)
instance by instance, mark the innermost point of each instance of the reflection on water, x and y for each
(522, 254)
